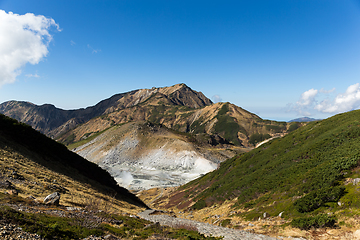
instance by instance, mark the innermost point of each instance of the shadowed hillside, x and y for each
(20, 144)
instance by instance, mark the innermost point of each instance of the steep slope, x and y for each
(313, 170)
(39, 166)
(222, 121)
(53, 121)
(142, 155)
(219, 130)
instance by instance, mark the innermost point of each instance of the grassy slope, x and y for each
(19, 142)
(307, 162)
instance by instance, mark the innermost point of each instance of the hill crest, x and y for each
(53, 121)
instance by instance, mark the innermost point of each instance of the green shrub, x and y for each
(198, 126)
(318, 198)
(258, 137)
(70, 139)
(319, 221)
(199, 204)
(225, 222)
(293, 127)
(227, 127)
(275, 128)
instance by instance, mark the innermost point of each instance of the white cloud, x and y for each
(307, 98)
(347, 101)
(314, 101)
(32, 75)
(326, 91)
(216, 98)
(93, 50)
(23, 39)
(72, 43)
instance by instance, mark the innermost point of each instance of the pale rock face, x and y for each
(137, 167)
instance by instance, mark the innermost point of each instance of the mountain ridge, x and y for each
(177, 107)
(304, 119)
(54, 121)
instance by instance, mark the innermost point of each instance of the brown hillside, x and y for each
(53, 121)
(36, 165)
(221, 120)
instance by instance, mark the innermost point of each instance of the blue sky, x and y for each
(280, 59)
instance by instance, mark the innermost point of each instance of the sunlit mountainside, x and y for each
(309, 177)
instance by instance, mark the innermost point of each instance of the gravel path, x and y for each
(12, 232)
(203, 228)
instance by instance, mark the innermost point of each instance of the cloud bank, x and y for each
(23, 39)
(319, 101)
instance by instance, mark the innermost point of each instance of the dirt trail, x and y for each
(203, 228)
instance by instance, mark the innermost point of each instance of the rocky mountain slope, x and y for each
(177, 107)
(214, 132)
(310, 178)
(53, 121)
(142, 155)
(224, 122)
(36, 165)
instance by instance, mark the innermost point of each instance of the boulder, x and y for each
(12, 192)
(356, 181)
(52, 199)
(111, 237)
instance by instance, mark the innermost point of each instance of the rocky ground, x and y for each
(11, 231)
(87, 217)
(204, 228)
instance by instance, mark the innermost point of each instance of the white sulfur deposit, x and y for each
(137, 167)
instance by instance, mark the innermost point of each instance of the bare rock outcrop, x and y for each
(52, 199)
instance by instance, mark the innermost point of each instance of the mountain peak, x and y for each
(49, 120)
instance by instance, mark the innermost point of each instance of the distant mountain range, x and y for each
(304, 119)
(177, 107)
(53, 121)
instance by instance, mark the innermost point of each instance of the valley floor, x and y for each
(203, 228)
(208, 221)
